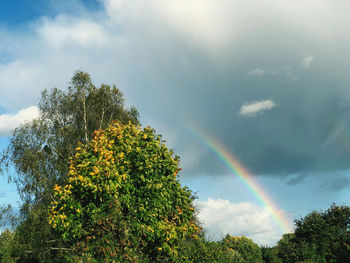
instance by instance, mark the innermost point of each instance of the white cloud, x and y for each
(221, 217)
(260, 72)
(9, 122)
(255, 107)
(288, 71)
(67, 31)
(201, 21)
(257, 72)
(307, 61)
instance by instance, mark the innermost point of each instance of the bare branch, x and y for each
(85, 121)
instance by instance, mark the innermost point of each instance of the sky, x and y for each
(267, 80)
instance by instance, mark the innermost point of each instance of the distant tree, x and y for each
(288, 250)
(319, 237)
(269, 255)
(204, 251)
(39, 152)
(122, 199)
(328, 231)
(250, 252)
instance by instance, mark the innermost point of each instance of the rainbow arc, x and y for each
(245, 177)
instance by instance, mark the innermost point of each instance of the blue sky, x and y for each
(269, 80)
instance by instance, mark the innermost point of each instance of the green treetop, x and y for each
(250, 252)
(122, 199)
(319, 237)
(39, 150)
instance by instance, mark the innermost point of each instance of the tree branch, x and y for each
(85, 121)
(60, 248)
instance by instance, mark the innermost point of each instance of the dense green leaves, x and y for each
(204, 251)
(122, 198)
(250, 252)
(7, 247)
(269, 255)
(319, 237)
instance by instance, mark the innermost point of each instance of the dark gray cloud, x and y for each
(196, 64)
(307, 132)
(295, 179)
(336, 184)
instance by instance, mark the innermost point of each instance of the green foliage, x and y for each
(319, 237)
(269, 255)
(34, 240)
(287, 249)
(201, 250)
(39, 152)
(250, 252)
(6, 247)
(122, 199)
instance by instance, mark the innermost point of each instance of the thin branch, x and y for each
(60, 248)
(85, 121)
(51, 241)
(58, 152)
(102, 115)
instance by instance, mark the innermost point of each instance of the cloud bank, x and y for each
(9, 122)
(221, 217)
(199, 62)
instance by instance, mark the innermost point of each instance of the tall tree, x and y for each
(39, 152)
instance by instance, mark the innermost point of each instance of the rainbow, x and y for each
(244, 176)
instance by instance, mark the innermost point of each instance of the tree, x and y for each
(39, 152)
(269, 254)
(6, 247)
(319, 237)
(122, 200)
(204, 251)
(328, 232)
(288, 250)
(250, 252)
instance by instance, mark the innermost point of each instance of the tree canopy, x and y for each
(319, 236)
(39, 150)
(249, 251)
(122, 197)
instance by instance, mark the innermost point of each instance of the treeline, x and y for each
(96, 187)
(319, 237)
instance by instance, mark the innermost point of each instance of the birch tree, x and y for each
(38, 155)
(39, 150)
